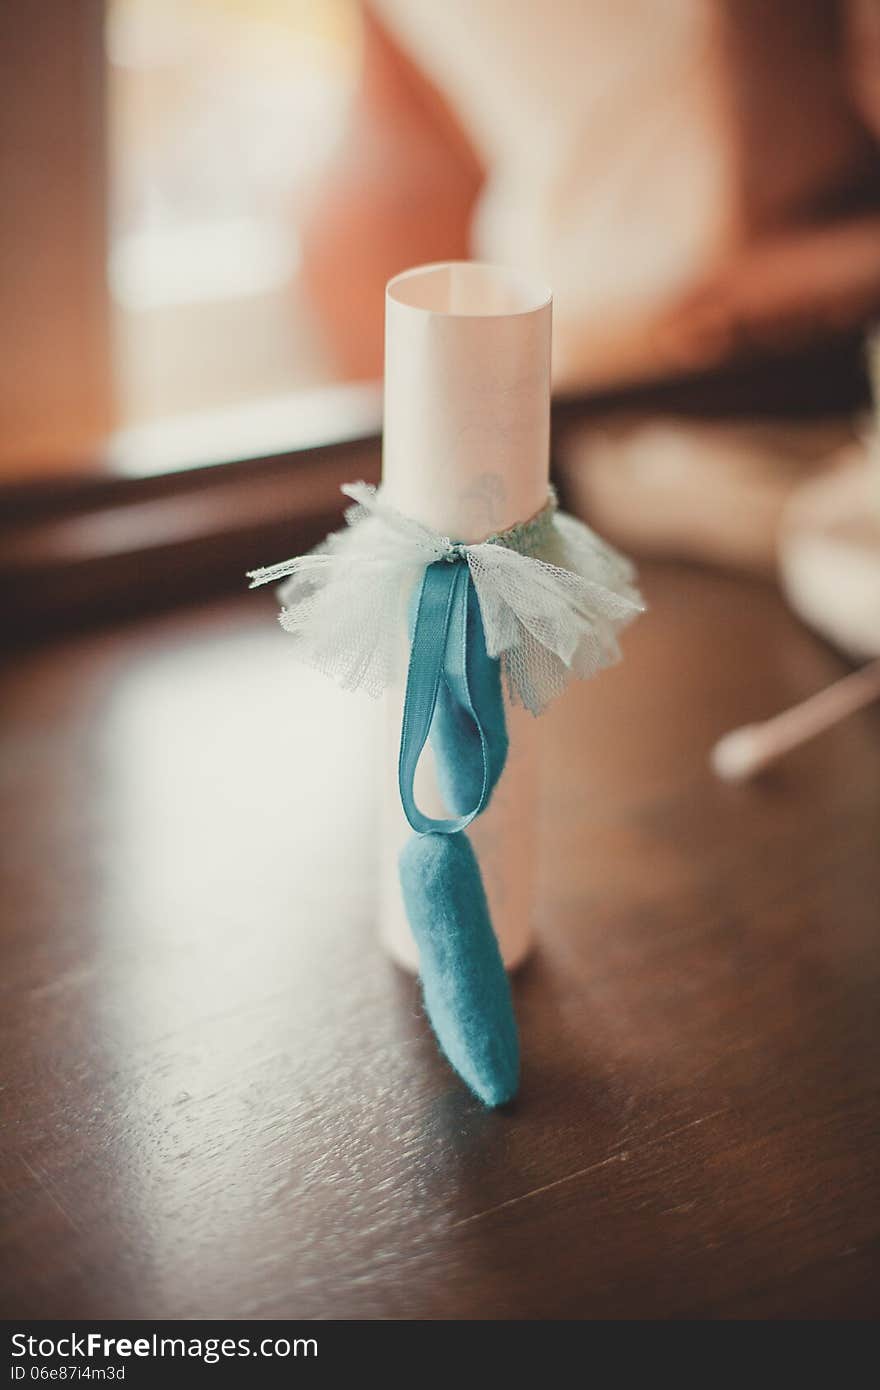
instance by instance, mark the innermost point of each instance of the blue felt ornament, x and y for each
(542, 602)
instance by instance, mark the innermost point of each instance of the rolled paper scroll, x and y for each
(461, 573)
(466, 451)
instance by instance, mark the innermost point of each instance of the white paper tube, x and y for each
(466, 451)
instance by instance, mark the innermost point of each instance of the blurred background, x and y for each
(205, 198)
(211, 194)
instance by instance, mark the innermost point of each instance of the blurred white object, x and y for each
(581, 114)
(713, 491)
(829, 565)
(829, 555)
(829, 545)
(747, 751)
(800, 500)
(655, 163)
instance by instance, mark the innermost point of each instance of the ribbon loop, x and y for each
(438, 652)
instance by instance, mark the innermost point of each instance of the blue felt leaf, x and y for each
(466, 989)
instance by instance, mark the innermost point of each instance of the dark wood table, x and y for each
(220, 1099)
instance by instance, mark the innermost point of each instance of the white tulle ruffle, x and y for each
(552, 595)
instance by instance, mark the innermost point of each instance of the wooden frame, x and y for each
(124, 532)
(56, 397)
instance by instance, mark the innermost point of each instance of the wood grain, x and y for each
(221, 1100)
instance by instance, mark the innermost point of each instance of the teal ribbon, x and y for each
(439, 651)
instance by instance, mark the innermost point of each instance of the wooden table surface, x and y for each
(221, 1100)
